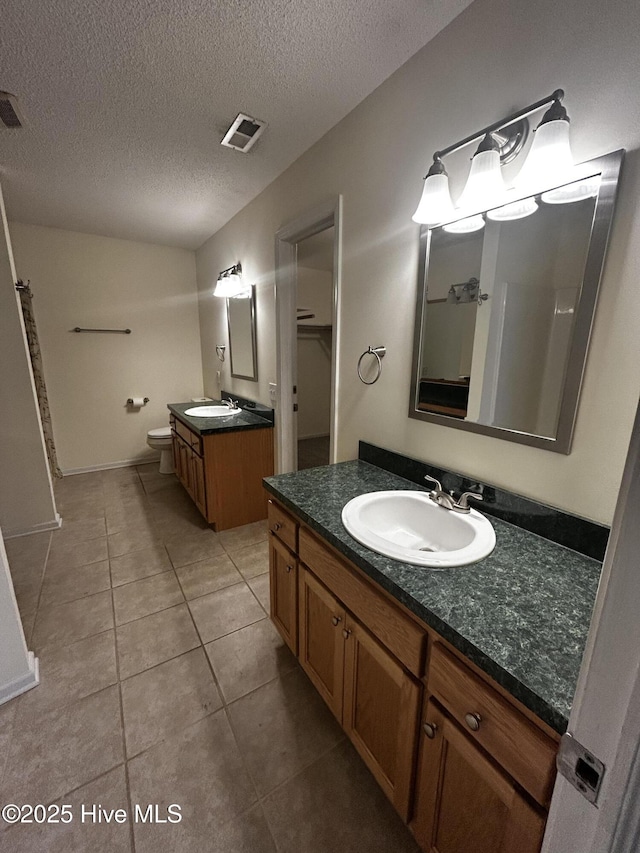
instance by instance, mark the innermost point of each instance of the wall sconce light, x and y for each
(229, 284)
(549, 162)
(469, 292)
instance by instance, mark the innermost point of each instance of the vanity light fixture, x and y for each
(549, 161)
(229, 283)
(469, 291)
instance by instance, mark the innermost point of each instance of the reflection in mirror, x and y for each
(504, 318)
(241, 318)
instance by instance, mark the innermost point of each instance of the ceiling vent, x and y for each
(243, 133)
(9, 112)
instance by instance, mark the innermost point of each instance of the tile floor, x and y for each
(163, 681)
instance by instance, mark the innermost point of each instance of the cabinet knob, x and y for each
(473, 721)
(346, 632)
(277, 525)
(335, 620)
(289, 569)
(430, 730)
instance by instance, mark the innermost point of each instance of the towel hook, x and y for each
(379, 353)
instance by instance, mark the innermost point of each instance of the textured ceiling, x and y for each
(125, 102)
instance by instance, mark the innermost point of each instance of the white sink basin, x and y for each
(410, 527)
(211, 411)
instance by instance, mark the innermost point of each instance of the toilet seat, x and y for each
(160, 432)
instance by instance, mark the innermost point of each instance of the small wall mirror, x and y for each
(241, 317)
(504, 313)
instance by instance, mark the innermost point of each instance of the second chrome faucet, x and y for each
(447, 500)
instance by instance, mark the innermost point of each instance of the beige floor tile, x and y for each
(132, 539)
(249, 658)
(154, 639)
(248, 833)
(126, 474)
(208, 575)
(110, 792)
(74, 554)
(201, 769)
(241, 537)
(25, 551)
(160, 701)
(75, 509)
(335, 804)
(261, 589)
(66, 623)
(7, 716)
(193, 548)
(252, 561)
(224, 611)
(63, 585)
(60, 750)
(123, 517)
(92, 527)
(139, 564)
(135, 600)
(68, 673)
(281, 728)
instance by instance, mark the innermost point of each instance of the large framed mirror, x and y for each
(241, 318)
(504, 313)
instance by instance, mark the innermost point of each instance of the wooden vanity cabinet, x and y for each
(283, 591)
(467, 770)
(465, 803)
(222, 472)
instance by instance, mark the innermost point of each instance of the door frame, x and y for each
(605, 717)
(309, 223)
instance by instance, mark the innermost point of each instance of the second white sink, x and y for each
(211, 411)
(410, 527)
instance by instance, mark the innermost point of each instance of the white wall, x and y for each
(497, 55)
(17, 669)
(100, 282)
(26, 496)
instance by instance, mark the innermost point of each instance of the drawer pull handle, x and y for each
(345, 633)
(473, 721)
(430, 730)
(277, 525)
(336, 620)
(289, 569)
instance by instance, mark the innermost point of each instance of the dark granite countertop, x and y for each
(521, 614)
(232, 423)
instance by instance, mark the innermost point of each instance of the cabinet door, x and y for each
(464, 802)
(175, 447)
(321, 640)
(283, 580)
(199, 495)
(381, 708)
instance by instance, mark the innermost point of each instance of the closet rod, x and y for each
(113, 331)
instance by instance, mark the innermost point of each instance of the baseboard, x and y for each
(315, 435)
(107, 466)
(25, 682)
(15, 532)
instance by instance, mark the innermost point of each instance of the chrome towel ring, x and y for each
(379, 353)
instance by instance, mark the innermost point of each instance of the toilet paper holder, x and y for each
(130, 402)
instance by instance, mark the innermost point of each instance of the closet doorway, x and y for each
(307, 318)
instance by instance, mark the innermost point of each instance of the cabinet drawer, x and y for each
(191, 438)
(525, 752)
(283, 525)
(397, 632)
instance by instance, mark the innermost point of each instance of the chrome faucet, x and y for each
(232, 404)
(446, 499)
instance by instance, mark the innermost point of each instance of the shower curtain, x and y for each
(38, 375)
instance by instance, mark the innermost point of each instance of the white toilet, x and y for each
(160, 439)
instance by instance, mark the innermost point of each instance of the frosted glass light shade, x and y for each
(228, 286)
(485, 186)
(549, 161)
(514, 210)
(435, 203)
(466, 225)
(576, 191)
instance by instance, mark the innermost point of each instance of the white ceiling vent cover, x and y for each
(243, 133)
(10, 114)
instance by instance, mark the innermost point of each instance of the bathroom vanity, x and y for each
(221, 461)
(455, 685)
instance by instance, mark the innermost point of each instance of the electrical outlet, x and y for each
(218, 377)
(273, 392)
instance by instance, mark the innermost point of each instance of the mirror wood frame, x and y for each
(608, 166)
(252, 303)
